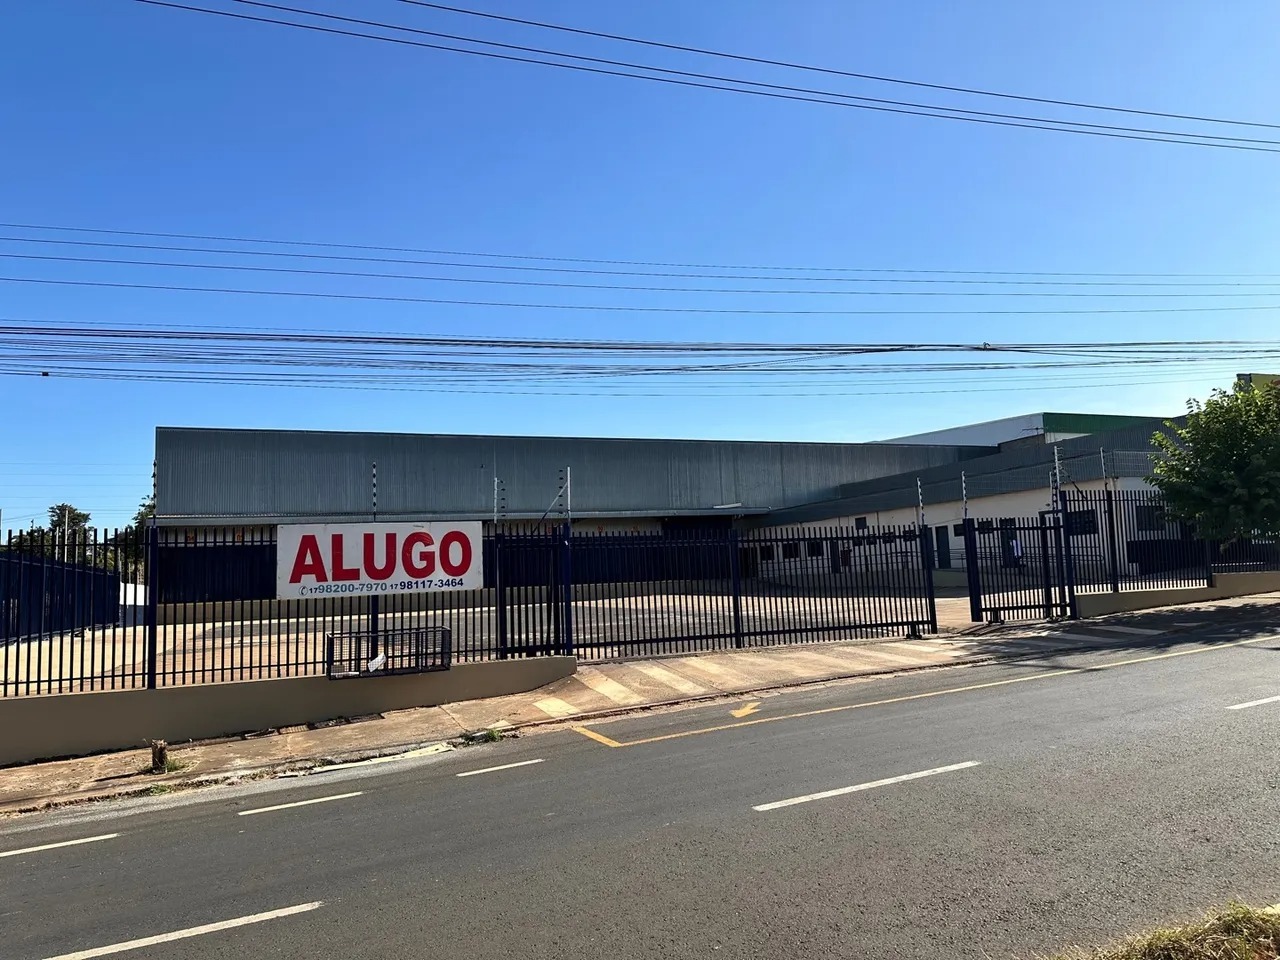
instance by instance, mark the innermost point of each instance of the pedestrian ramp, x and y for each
(639, 683)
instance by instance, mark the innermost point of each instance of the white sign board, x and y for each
(372, 559)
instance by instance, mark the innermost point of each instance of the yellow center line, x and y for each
(601, 738)
(598, 737)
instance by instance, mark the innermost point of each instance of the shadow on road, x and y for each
(1154, 632)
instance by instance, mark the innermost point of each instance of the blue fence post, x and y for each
(1113, 547)
(150, 578)
(735, 573)
(972, 574)
(567, 580)
(500, 598)
(1069, 560)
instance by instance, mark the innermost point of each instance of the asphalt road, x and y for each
(1029, 806)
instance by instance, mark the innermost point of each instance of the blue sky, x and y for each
(120, 115)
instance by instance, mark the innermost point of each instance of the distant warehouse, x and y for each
(223, 491)
(237, 478)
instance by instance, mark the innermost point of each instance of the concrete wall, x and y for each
(75, 724)
(1225, 585)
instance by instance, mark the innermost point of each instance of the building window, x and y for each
(791, 551)
(1150, 519)
(766, 553)
(815, 548)
(860, 523)
(1082, 523)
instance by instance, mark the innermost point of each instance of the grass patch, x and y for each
(170, 766)
(158, 789)
(1236, 933)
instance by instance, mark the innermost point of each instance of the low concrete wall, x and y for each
(74, 724)
(1225, 585)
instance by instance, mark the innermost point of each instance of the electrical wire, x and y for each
(630, 288)
(943, 111)
(764, 61)
(636, 263)
(619, 308)
(241, 252)
(772, 91)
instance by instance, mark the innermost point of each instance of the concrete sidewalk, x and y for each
(595, 689)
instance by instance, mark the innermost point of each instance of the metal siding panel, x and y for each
(1019, 469)
(265, 473)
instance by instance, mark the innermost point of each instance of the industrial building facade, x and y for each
(224, 491)
(220, 478)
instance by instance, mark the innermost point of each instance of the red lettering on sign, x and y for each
(464, 553)
(423, 563)
(308, 562)
(339, 571)
(371, 566)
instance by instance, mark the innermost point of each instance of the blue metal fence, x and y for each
(210, 611)
(41, 596)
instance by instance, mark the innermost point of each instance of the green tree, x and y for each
(1220, 472)
(133, 542)
(146, 510)
(64, 519)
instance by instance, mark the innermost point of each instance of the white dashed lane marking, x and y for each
(188, 932)
(300, 803)
(55, 846)
(1254, 703)
(505, 766)
(859, 787)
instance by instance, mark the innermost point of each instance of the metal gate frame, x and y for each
(1023, 584)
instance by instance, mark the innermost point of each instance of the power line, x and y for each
(833, 72)
(630, 288)
(947, 111)
(634, 263)
(598, 272)
(45, 347)
(772, 91)
(1190, 348)
(615, 308)
(331, 383)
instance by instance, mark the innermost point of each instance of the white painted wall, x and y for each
(1020, 504)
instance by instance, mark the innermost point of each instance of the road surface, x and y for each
(994, 811)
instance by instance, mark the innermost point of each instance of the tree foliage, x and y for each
(1220, 472)
(68, 520)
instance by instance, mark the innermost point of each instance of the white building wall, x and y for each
(1022, 504)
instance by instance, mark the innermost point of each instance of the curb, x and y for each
(298, 767)
(800, 684)
(306, 766)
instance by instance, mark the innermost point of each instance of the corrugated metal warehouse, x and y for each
(212, 477)
(224, 491)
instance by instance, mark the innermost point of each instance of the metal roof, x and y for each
(245, 476)
(1126, 452)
